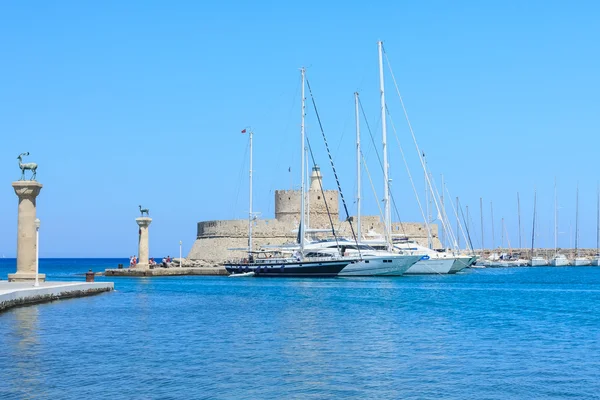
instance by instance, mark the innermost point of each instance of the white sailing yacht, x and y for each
(374, 262)
(578, 261)
(559, 260)
(298, 265)
(536, 261)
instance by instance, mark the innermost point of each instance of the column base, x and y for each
(26, 277)
(142, 266)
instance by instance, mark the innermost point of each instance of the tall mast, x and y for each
(493, 234)
(302, 184)
(577, 222)
(250, 206)
(457, 225)
(442, 203)
(533, 227)
(519, 215)
(358, 165)
(502, 233)
(598, 223)
(467, 226)
(427, 208)
(481, 215)
(555, 219)
(307, 193)
(386, 187)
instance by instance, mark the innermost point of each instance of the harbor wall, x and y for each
(539, 252)
(216, 240)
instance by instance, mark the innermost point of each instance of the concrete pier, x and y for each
(14, 294)
(27, 191)
(143, 251)
(167, 271)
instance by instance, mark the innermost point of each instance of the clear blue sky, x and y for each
(142, 102)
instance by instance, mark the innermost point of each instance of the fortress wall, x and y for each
(216, 238)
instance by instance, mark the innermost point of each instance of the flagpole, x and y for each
(250, 212)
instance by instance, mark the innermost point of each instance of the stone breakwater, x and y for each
(21, 294)
(548, 253)
(177, 267)
(167, 271)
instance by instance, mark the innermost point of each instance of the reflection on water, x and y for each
(494, 334)
(22, 349)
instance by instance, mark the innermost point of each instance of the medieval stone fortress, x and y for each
(215, 239)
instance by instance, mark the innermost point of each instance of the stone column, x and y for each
(144, 223)
(26, 235)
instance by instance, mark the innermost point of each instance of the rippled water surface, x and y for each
(484, 334)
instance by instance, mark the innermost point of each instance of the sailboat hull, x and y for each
(461, 263)
(559, 262)
(538, 262)
(431, 266)
(330, 268)
(582, 262)
(380, 266)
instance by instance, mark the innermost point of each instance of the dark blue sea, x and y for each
(518, 333)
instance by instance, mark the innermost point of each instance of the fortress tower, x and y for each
(287, 204)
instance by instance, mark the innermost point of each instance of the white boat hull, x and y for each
(461, 263)
(391, 265)
(596, 262)
(538, 262)
(559, 262)
(582, 262)
(431, 266)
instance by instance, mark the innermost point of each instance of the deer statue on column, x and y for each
(144, 210)
(30, 166)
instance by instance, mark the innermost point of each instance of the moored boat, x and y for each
(559, 260)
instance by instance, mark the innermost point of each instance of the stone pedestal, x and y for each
(26, 234)
(144, 223)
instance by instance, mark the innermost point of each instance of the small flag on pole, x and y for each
(244, 130)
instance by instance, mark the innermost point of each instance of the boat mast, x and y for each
(307, 191)
(358, 165)
(442, 203)
(386, 188)
(555, 220)
(598, 223)
(533, 227)
(302, 184)
(502, 234)
(457, 224)
(577, 222)
(481, 215)
(493, 235)
(519, 215)
(250, 206)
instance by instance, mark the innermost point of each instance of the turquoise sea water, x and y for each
(484, 334)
